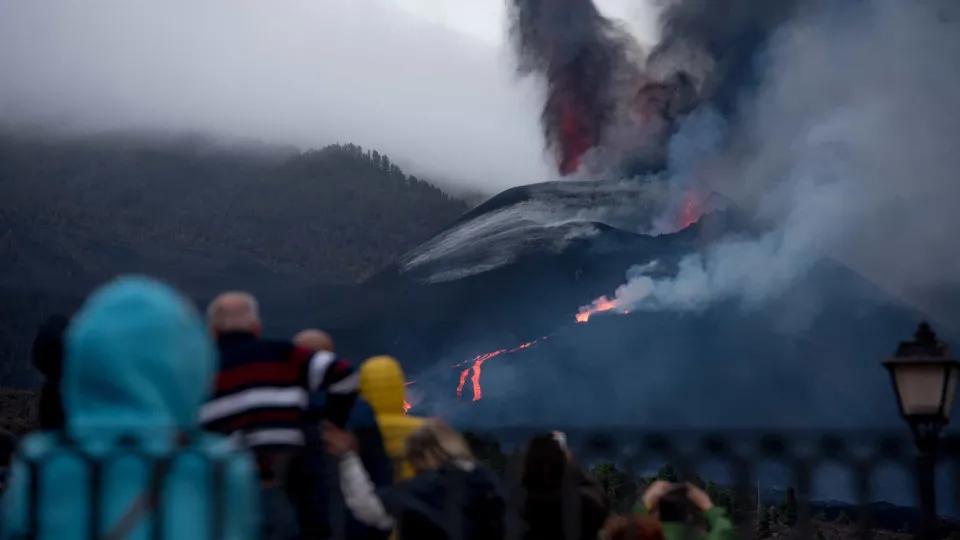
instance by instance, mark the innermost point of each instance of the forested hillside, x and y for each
(339, 213)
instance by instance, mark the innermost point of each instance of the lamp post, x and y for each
(925, 379)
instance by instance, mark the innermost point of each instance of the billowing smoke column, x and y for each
(607, 97)
(839, 158)
(718, 43)
(584, 58)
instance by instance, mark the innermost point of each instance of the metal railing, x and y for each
(730, 464)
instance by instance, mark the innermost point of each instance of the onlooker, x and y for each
(315, 493)
(632, 528)
(8, 445)
(382, 386)
(262, 391)
(450, 497)
(137, 367)
(314, 340)
(48, 359)
(675, 505)
(549, 473)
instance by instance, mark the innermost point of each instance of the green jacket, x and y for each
(719, 526)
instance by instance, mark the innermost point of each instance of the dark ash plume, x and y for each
(583, 57)
(605, 96)
(718, 43)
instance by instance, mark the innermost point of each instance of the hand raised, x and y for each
(338, 441)
(651, 497)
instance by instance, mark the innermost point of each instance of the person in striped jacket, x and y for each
(262, 390)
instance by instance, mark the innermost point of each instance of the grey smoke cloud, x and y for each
(849, 150)
(297, 72)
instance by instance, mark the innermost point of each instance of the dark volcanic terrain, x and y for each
(510, 272)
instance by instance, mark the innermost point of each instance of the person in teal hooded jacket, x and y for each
(138, 366)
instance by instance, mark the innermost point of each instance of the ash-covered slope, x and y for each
(541, 217)
(528, 248)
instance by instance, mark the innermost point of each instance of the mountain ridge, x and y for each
(202, 214)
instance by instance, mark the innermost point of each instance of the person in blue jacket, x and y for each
(138, 365)
(314, 478)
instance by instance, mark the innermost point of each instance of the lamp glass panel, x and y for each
(920, 387)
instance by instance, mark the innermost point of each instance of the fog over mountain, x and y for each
(301, 72)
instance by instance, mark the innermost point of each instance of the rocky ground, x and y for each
(827, 530)
(18, 410)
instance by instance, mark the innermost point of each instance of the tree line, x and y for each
(340, 213)
(768, 518)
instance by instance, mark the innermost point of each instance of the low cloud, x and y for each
(299, 72)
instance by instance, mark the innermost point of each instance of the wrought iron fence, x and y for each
(730, 464)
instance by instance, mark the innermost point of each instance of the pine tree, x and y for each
(696, 480)
(619, 486)
(790, 508)
(712, 490)
(667, 473)
(774, 513)
(763, 522)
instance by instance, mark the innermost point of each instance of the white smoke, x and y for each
(851, 150)
(698, 138)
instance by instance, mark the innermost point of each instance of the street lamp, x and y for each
(925, 379)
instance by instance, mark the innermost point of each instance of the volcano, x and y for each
(485, 315)
(500, 290)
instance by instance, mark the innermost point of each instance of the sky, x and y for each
(428, 82)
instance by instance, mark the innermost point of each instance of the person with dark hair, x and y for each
(8, 446)
(553, 481)
(676, 506)
(632, 528)
(48, 359)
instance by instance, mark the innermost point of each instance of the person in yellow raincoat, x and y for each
(382, 386)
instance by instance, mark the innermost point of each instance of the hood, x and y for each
(381, 384)
(137, 355)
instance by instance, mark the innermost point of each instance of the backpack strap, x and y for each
(141, 506)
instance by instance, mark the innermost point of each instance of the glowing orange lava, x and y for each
(474, 368)
(691, 210)
(574, 136)
(600, 304)
(406, 404)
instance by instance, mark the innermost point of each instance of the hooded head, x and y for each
(381, 385)
(137, 356)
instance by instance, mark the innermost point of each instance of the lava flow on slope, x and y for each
(690, 211)
(475, 367)
(597, 306)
